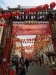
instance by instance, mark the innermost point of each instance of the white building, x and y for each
(1, 29)
(18, 51)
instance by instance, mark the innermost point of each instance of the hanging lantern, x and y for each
(1, 24)
(38, 8)
(52, 5)
(45, 6)
(1, 15)
(4, 25)
(32, 10)
(13, 14)
(17, 13)
(27, 11)
(5, 15)
(8, 15)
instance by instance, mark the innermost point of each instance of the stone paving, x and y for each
(38, 70)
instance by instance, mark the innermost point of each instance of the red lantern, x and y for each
(1, 15)
(27, 11)
(1, 24)
(38, 8)
(45, 6)
(8, 15)
(13, 14)
(5, 15)
(32, 10)
(17, 13)
(52, 5)
(4, 25)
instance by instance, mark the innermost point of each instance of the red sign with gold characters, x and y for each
(30, 26)
(30, 29)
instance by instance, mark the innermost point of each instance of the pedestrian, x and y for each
(21, 69)
(26, 64)
(40, 61)
(32, 62)
(22, 61)
(23, 72)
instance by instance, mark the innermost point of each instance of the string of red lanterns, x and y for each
(8, 15)
(27, 11)
(4, 25)
(30, 40)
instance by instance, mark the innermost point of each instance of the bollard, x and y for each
(53, 73)
(11, 72)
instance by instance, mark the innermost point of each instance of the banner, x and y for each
(30, 32)
(30, 29)
(30, 26)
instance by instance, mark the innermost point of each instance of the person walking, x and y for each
(23, 72)
(26, 64)
(32, 62)
(40, 61)
(21, 69)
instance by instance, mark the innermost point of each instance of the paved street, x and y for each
(37, 70)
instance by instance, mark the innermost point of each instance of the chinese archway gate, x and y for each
(24, 16)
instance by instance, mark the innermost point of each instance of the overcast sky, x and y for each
(14, 3)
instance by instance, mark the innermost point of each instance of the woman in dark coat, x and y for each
(21, 69)
(27, 64)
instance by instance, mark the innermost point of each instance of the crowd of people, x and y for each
(21, 66)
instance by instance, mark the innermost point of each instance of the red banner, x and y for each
(31, 26)
(30, 29)
(30, 32)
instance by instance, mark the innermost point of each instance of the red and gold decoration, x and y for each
(8, 15)
(32, 10)
(27, 11)
(4, 25)
(17, 13)
(52, 5)
(13, 14)
(34, 14)
(45, 6)
(30, 29)
(38, 8)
